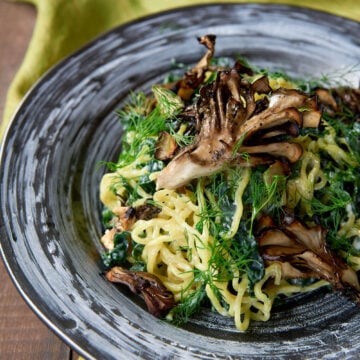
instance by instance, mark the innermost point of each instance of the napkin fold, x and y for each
(63, 26)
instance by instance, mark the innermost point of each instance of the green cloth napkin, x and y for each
(62, 26)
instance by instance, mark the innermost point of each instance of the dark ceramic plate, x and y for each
(50, 212)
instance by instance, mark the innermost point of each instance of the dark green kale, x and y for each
(117, 256)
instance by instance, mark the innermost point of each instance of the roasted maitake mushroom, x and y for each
(195, 77)
(157, 298)
(348, 97)
(231, 123)
(303, 253)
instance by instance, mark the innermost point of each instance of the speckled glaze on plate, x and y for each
(50, 212)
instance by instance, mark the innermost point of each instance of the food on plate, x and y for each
(234, 187)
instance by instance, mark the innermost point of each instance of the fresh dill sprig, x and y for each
(181, 137)
(188, 306)
(240, 255)
(221, 189)
(136, 108)
(330, 201)
(265, 195)
(142, 130)
(168, 102)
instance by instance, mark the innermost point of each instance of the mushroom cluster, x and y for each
(304, 254)
(239, 122)
(157, 298)
(349, 97)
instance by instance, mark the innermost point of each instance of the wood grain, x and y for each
(21, 333)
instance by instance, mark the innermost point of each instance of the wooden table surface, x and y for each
(22, 334)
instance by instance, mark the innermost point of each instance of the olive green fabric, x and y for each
(62, 26)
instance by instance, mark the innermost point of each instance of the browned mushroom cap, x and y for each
(330, 99)
(124, 219)
(243, 68)
(303, 253)
(326, 98)
(195, 76)
(291, 151)
(147, 211)
(165, 146)
(209, 42)
(261, 85)
(230, 123)
(349, 97)
(263, 223)
(311, 113)
(158, 299)
(268, 119)
(284, 98)
(291, 129)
